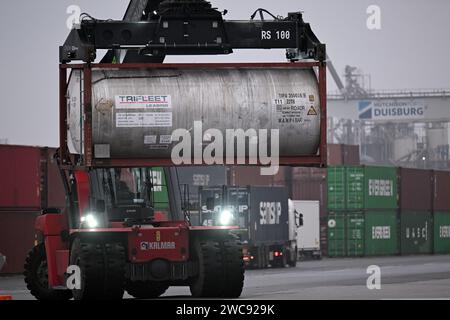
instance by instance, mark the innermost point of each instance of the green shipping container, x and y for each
(362, 187)
(336, 188)
(355, 234)
(381, 233)
(345, 234)
(416, 232)
(160, 193)
(336, 235)
(441, 232)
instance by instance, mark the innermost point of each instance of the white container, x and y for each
(307, 235)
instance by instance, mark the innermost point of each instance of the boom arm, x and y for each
(190, 27)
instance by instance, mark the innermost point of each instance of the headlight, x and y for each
(226, 217)
(90, 221)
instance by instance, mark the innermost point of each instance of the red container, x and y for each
(251, 176)
(310, 184)
(351, 155)
(53, 189)
(335, 154)
(441, 191)
(20, 174)
(343, 154)
(415, 189)
(17, 237)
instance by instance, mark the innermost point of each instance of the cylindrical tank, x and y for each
(135, 111)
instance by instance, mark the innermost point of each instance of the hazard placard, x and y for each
(312, 111)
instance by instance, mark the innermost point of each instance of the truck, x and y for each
(117, 121)
(262, 215)
(306, 229)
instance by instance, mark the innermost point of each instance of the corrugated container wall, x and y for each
(416, 232)
(17, 237)
(310, 184)
(415, 189)
(362, 187)
(342, 154)
(271, 203)
(441, 197)
(441, 232)
(381, 233)
(251, 176)
(346, 234)
(20, 178)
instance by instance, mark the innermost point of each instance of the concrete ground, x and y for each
(415, 277)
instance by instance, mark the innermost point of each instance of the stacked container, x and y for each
(362, 204)
(310, 184)
(441, 208)
(30, 181)
(20, 202)
(415, 204)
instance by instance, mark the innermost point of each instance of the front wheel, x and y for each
(221, 268)
(36, 276)
(102, 267)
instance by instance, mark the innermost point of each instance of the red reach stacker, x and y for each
(116, 232)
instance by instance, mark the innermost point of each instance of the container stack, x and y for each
(310, 184)
(29, 182)
(362, 205)
(415, 211)
(441, 209)
(20, 201)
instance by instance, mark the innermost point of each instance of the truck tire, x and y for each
(293, 261)
(234, 268)
(102, 267)
(221, 269)
(146, 289)
(36, 276)
(209, 281)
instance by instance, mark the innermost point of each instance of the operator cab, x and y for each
(125, 196)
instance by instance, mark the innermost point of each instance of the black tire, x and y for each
(293, 261)
(102, 267)
(146, 289)
(36, 277)
(209, 282)
(221, 269)
(233, 267)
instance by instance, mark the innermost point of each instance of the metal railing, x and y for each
(391, 94)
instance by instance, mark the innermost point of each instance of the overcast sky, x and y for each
(410, 51)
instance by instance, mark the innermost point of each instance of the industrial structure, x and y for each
(406, 128)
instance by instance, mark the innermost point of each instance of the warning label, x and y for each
(143, 102)
(312, 111)
(144, 119)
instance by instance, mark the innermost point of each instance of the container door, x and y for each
(355, 188)
(336, 235)
(355, 234)
(336, 188)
